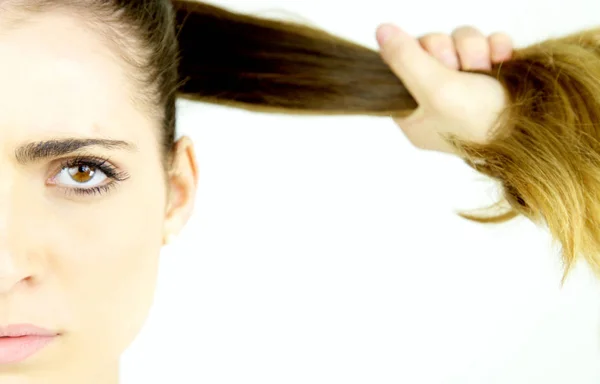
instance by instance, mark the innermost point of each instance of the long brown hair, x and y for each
(546, 154)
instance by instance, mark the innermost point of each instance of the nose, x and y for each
(14, 270)
(16, 267)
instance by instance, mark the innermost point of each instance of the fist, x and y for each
(451, 100)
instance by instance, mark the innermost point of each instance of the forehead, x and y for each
(59, 76)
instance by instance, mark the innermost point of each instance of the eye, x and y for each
(82, 175)
(87, 175)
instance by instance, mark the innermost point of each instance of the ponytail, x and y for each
(546, 155)
(248, 62)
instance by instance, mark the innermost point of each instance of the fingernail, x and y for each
(385, 32)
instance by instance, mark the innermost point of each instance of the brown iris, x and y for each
(82, 173)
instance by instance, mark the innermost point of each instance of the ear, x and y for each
(182, 183)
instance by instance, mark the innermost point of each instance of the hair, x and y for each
(545, 155)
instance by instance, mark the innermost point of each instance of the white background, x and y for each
(328, 250)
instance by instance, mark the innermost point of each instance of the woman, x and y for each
(102, 78)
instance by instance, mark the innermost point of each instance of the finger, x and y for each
(473, 49)
(501, 47)
(419, 71)
(441, 47)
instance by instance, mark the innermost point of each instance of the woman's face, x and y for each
(84, 201)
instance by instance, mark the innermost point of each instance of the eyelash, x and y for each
(98, 163)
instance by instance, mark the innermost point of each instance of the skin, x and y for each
(463, 104)
(85, 265)
(81, 265)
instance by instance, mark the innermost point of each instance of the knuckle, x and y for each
(474, 44)
(435, 41)
(466, 31)
(500, 38)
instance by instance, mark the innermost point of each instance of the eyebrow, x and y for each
(32, 152)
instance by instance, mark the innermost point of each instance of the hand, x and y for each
(463, 104)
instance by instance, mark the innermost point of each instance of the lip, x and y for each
(21, 341)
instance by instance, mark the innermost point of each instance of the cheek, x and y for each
(104, 257)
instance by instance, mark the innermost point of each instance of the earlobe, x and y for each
(182, 184)
(169, 239)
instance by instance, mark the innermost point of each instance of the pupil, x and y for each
(82, 173)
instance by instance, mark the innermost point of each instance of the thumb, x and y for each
(420, 72)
